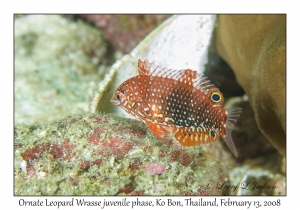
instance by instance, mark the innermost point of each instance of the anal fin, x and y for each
(193, 138)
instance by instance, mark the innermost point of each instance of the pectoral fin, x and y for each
(159, 130)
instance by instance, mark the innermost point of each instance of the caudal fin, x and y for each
(233, 115)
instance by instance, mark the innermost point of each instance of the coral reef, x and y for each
(58, 63)
(255, 48)
(104, 155)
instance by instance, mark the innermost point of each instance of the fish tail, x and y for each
(232, 116)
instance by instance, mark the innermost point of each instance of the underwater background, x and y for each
(70, 139)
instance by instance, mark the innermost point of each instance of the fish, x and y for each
(182, 103)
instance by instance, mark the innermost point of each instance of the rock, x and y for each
(105, 155)
(255, 48)
(57, 64)
(257, 176)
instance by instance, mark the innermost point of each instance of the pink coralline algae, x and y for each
(155, 168)
(62, 151)
(112, 146)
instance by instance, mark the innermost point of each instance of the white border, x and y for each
(8, 8)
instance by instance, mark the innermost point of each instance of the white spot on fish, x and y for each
(153, 107)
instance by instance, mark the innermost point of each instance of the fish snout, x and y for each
(115, 101)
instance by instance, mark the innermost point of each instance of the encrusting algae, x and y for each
(83, 155)
(178, 102)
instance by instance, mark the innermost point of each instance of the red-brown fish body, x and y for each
(180, 102)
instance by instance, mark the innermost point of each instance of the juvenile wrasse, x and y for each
(178, 102)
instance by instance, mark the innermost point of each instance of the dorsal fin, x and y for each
(188, 76)
(143, 68)
(204, 84)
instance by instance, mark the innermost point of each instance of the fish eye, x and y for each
(216, 97)
(118, 97)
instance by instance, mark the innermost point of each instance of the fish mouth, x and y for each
(115, 102)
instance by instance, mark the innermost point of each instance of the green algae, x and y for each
(107, 155)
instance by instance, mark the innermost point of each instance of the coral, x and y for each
(104, 155)
(255, 48)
